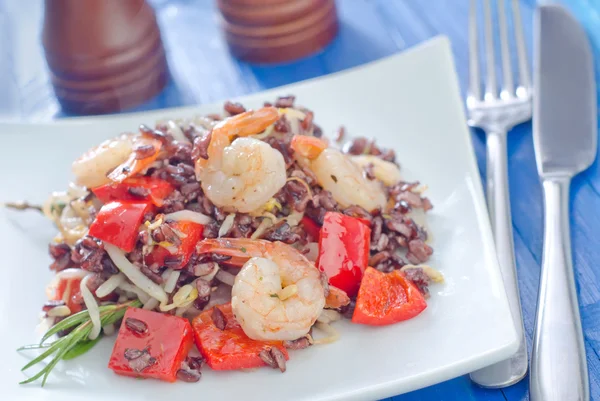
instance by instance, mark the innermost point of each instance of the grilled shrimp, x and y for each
(278, 293)
(115, 159)
(346, 181)
(243, 174)
(91, 168)
(384, 171)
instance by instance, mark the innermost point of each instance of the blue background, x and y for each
(203, 71)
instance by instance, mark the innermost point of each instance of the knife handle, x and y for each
(558, 361)
(509, 371)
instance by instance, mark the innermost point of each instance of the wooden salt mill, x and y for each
(104, 55)
(277, 31)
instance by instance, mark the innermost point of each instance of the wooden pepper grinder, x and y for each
(104, 55)
(276, 31)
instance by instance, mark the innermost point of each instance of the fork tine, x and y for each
(507, 78)
(491, 88)
(524, 81)
(474, 80)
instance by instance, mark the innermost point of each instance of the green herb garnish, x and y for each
(76, 342)
(22, 206)
(81, 348)
(243, 250)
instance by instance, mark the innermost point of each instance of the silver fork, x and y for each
(496, 113)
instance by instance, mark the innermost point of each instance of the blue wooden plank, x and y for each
(458, 389)
(362, 38)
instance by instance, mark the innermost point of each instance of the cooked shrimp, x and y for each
(346, 181)
(92, 167)
(115, 159)
(384, 171)
(308, 146)
(278, 294)
(245, 174)
(336, 298)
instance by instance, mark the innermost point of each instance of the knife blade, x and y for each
(564, 107)
(565, 136)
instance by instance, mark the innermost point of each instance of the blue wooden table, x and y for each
(203, 71)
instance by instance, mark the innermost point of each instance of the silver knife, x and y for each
(565, 136)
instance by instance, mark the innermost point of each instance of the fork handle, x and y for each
(512, 370)
(558, 362)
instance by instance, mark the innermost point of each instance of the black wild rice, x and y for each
(52, 304)
(419, 278)
(136, 325)
(285, 101)
(233, 108)
(144, 151)
(188, 376)
(218, 318)
(139, 360)
(194, 362)
(299, 343)
(61, 253)
(274, 358)
(88, 253)
(204, 291)
(139, 192)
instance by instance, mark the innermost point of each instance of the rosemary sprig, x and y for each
(22, 205)
(76, 342)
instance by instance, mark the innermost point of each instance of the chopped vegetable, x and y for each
(67, 289)
(230, 348)
(344, 251)
(192, 233)
(155, 353)
(386, 298)
(118, 222)
(135, 189)
(311, 227)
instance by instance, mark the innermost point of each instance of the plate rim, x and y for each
(390, 387)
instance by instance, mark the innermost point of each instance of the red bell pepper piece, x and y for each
(118, 223)
(163, 346)
(158, 190)
(386, 298)
(231, 348)
(344, 251)
(193, 234)
(67, 289)
(311, 227)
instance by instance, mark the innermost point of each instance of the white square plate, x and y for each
(410, 102)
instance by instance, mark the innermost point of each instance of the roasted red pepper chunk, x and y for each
(193, 233)
(311, 227)
(118, 223)
(344, 251)
(387, 298)
(67, 290)
(135, 189)
(151, 345)
(231, 348)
